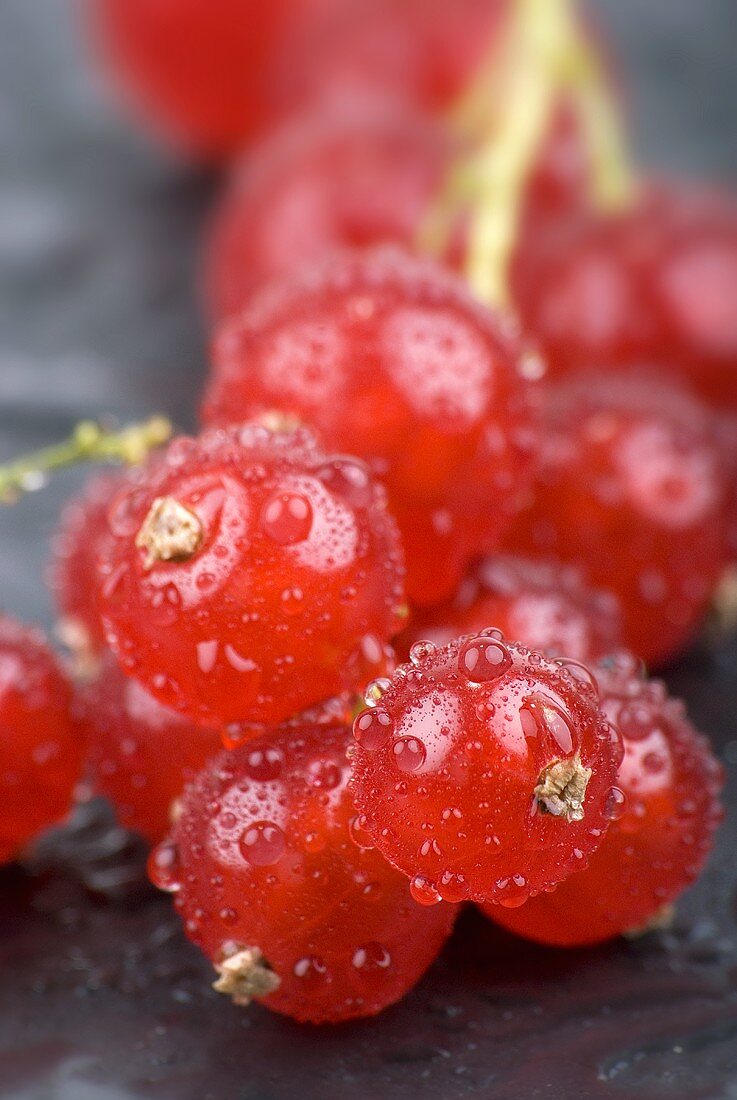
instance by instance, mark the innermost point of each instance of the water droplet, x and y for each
(452, 887)
(375, 690)
(371, 958)
(409, 754)
(372, 728)
(615, 804)
(422, 651)
(512, 892)
(484, 659)
(310, 967)
(262, 844)
(358, 833)
(635, 721)
(579, 672)
(292, 601)
(540, 715)
(286, 518)
(324, 774)
(164, 868)
(314, 843)
(423, 892)
(207, 655)
(264, 763)
(348, 478)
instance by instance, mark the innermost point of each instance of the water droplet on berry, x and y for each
(615, 804)
(314, 843)
(348, 478)
(409, 754)
(371, 958)
(539, 715)
(264, 764)
(164, 868)
(207, 655)
(484, 659)
(423, 892)
(635, 721)
(452, 887)
(421, 651)
(324, 774)
(310, 967)
(358, 832)
(579, 672)
(262, 844)
(372, 728)
(292, 601)
(375, 690)
(512, 892)
(286, 518)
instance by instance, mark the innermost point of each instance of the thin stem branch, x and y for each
(89, 442)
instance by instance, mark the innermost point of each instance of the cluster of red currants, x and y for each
(390, 465)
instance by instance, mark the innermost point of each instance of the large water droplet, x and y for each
(262, 844)
(286, 518)
(164, 868)
(409, 754)
(484, 659)
(372, 728)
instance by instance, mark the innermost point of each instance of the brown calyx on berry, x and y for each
(244, 974)
(561, 788)
(170, 532)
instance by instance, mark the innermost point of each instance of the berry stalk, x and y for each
(89, 442)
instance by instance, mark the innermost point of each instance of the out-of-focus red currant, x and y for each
(632, 489)
(40, 744)
(543, 604)
(250, 575)
(202, 72)
(140, 754)
(75, 547)
(281, 890)
(664, 812)
(353, 177)
(390, 357)
(484, 770)
(653, 284)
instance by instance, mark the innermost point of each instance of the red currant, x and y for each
(281, 890)
(249, 575)
(484, 770)
(354, 177)
(632, 489)
(40, 745)
(652, 284)
(390, 357)
(545, 605)
(202, 72)
(140, 753)
(75, 547)
(665, 810)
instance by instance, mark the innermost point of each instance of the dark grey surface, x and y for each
(100, 998)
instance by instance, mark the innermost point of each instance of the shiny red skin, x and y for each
(632, 490)
(40, 744)
(202, 73)
(663, 830)
(389, 356)
(332, 917)
(445, 771)
(655, 284)
(140, 754)
(75, 547)
(260, 622)
(356, 176)
(542, 604)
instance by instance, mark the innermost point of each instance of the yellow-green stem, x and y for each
(89, 442)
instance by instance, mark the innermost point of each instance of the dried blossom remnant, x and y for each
(170, 532)
(561, 788)
(245, 974)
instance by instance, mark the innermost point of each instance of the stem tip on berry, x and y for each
(170, 532)
(561, 788)
(245, 974)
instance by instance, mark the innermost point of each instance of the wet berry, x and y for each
(250, 575)
(543, 604)
(664, 814)
(632, 490)
(653, 284)
(389, 357)
(273, 884)
(491, 774)
(40, 745)
(140, 754)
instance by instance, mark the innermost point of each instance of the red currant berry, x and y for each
(390, 357)
(201, 72)
(250, 575)
(40, 745)
(140, 754)
(279, 888)
(652, 284)
(352, 178)
(75, 547)
(543, 604)
(664, 812)
(632, 490)
(484, 770)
